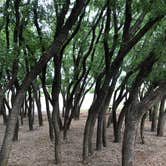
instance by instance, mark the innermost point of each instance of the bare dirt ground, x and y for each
(35, 149)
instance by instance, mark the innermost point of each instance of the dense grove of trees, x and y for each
(114, 48)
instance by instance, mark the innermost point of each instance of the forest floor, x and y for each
(35, 149)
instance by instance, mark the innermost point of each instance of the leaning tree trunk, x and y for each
(88, 132)
(7, 141)
(117, 134)
(51, 135)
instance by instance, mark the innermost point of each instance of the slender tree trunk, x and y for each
(36, 92)
(142, 128)
(56, 86)
(57, 134)
(117, 134)
(67, 118)
(114, 120)
(88, 133)
(4, 114)
(46, 96)
(162, 118)
(104, 132)
(30, 111)
(99, 132)
(110, 120)
(49, 118)
(154, 118)
(150, 115)
(22, 115)
(26, 106)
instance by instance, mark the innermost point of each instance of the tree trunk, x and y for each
(30, 111)
(49, 118)
(7, 141)
(67, 118)
(46, 96)
(57, 143)
(161, 127)
(117, 134)
(162, 118)
(15, 137)
(22, 115)
(129, 141)
(142, 128)
(114, 120)
(150, 115)
(3, 112)
(99, 132)
(104, 132)
(110, 120)
(56, 86)
(154, 118)
(88, 132)
(36, 92)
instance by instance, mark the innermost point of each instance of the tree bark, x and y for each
(15, 137)
(117, 134)
(150, 115)
(162, 118)
(56, 86)
(30, 110)
(154, 118)
(8, 138)
(132, 118)
(104, 132)
(142, 128)
(99, 132)
(57, 134)
(88, 130)
(36, 92)
(129, 141)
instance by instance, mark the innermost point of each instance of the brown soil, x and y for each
(35, 149)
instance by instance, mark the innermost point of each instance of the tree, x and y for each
(52, 51)
(114, 59)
